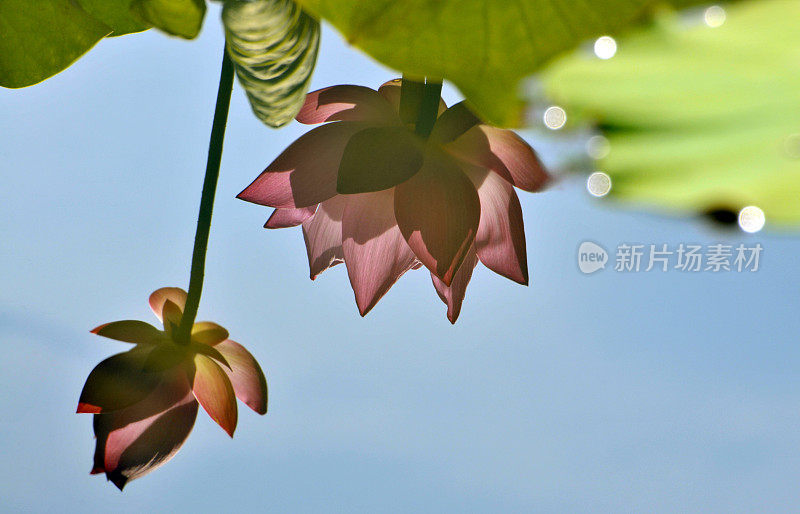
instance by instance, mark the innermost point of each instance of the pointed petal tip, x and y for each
(447, 277)
(118, 480)
(96, 470)
(214, 391)
(87, 408)
(98, 328)
(247, 378)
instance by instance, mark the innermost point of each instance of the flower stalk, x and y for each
(429, 108)
(419, 104)
(207, 199)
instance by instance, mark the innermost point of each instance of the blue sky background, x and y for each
(611, 392)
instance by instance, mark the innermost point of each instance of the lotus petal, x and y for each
(346, 103)
(134, 441)
(131, 331)
(118, 382)
(285, 218)
(438, 212)
(500, 241)
(305, 173)
(375, 251)
(323, 236)
(208, 332)
(453, 295)
(159, 297)
(214, 391)
(249, 383)
(378, 158)
(503, 152)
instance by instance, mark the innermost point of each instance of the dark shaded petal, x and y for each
(118, 382)
(134, 441)
(305, 173)
(378, 158)
(438, 212)
(131, 331)
(453, 123)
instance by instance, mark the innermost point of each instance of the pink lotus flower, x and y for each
(145, 400)
(372, 194)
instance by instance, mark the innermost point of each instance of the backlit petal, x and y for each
(375, 251)
(503, 152)
(284, 218)
(214, 391)
(345, 103)
(438, 212)
(323, 236)
(453, 295)
(249, 383)
(501, 234)
(159, 297)
(305, 173)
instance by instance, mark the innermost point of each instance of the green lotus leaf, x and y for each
(39, 39)
(273, 45)
(182, 18)
(485, 47)
(698, 118)
(116, 14)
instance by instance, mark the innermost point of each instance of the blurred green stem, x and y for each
(207, 199)
(419, 104)
(429, 108)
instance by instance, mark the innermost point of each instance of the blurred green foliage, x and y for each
(698, 118)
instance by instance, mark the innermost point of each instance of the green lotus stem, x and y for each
(411, 92)
(207, 199)
(419, 104)
(429, 108)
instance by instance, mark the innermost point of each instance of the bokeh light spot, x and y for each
(605, 47)
(598, 147)
(555, 117)
(598, 184)
(752, 219)
(715, 16)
